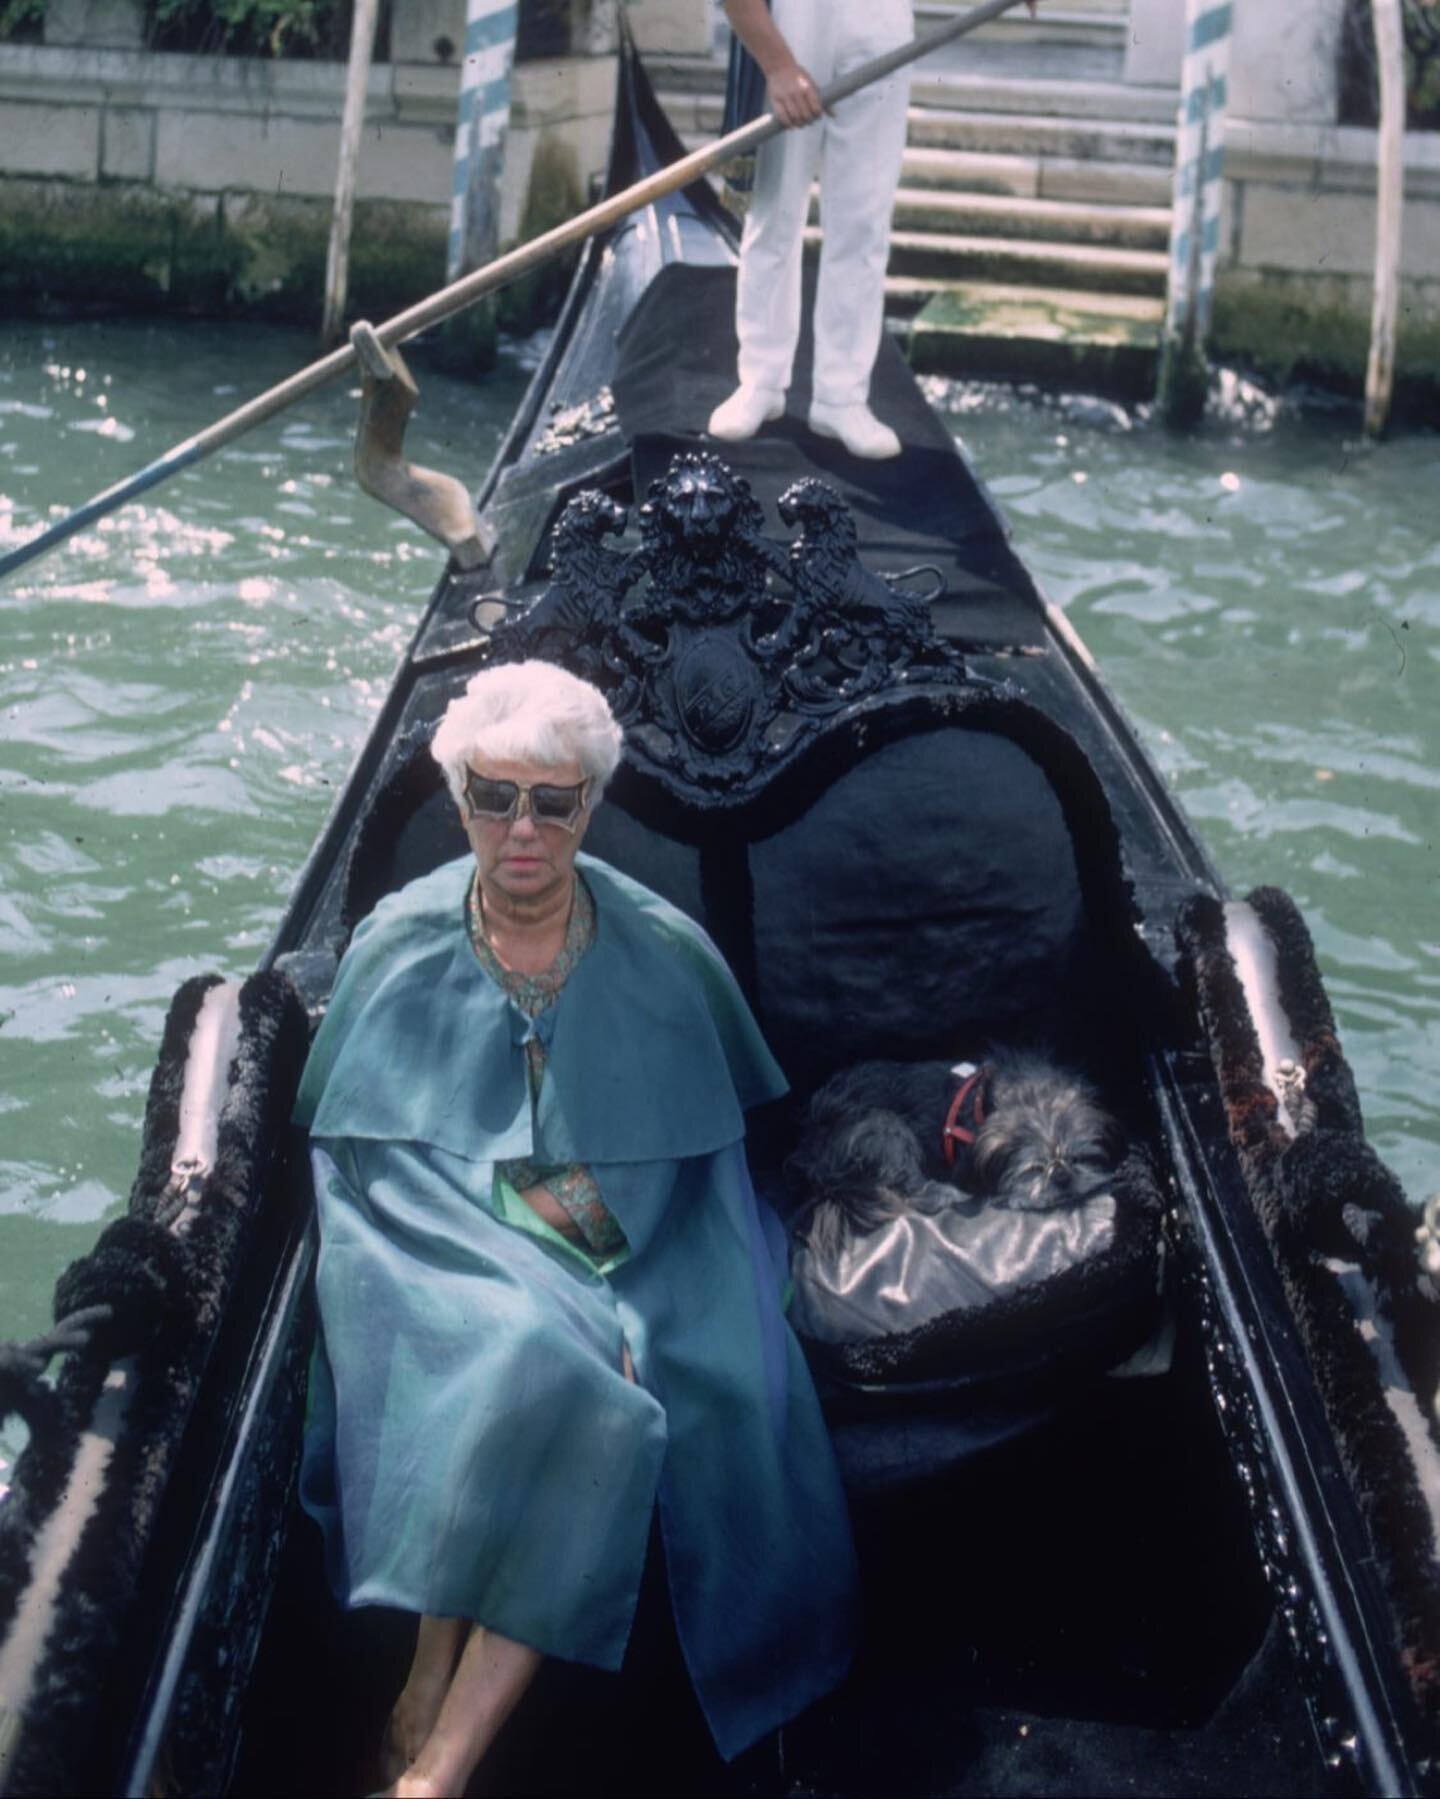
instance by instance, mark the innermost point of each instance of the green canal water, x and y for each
(182, 688)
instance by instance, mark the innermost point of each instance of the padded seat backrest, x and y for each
(927, 901)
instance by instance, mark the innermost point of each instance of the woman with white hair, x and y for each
(548, 1305)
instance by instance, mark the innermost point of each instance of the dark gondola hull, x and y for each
(1329, 1617)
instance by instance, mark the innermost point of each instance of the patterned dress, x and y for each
(573, 1185)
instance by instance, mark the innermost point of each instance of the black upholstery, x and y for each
(926, 901)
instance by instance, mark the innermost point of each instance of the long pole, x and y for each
(1390, 202)
(352, 121)
(459, 294)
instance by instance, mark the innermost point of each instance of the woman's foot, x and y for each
(413, 1786)
(408, 1786)
(415, 1715)
(416, 1712)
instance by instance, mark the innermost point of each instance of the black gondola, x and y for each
(1218, 1575)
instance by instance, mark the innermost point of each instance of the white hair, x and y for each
(528, 712)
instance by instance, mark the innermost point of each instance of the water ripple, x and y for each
(1267, 605)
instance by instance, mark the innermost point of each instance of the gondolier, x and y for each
(856, 151)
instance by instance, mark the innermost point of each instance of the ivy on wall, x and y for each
(21, 20)
(313, 28)
(250, 27)
(1359, 83)
(298, 28)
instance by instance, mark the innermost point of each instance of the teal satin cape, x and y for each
(473, 1448)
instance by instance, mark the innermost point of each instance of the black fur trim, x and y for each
(98, 1587)
(1327, 1194)
(37, 1481)
(1079, 1322)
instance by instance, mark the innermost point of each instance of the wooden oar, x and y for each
(458, 295)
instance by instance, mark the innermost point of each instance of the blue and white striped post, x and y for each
(1195, 215)
(480, 135)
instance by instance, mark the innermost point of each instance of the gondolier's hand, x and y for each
(790, 92)
(793, 96)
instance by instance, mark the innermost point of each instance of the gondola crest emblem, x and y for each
(723, 650)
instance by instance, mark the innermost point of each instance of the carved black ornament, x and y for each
(723, 650)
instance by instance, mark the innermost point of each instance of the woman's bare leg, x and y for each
(437, 1649)
(466, 1704)
(493, 1673)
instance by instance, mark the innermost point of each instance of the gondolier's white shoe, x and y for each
(747, 409)
(857, 428)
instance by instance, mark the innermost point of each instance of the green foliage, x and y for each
(1359, 83)
(250, 27)
(21, 19)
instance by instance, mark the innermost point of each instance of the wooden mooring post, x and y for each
(1390, 202)
(1184, 373)
(352, 122)
(480, 135)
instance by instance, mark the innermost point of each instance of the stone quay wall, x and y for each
(1297, 246)
(134, 180)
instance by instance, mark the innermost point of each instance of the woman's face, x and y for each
(525, 858)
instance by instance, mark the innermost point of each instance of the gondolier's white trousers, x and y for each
(857, 154)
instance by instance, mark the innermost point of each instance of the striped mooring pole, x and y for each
(480, 134)
(1195, 217)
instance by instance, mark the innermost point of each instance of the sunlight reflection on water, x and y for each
(182, 686)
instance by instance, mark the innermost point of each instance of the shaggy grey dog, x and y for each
(872, 1142)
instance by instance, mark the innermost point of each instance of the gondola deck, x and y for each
(1170, 1588)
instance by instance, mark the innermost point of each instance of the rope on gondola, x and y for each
(23, 1392)
(130, 1291)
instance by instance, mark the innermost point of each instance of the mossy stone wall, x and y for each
(125, 247)
(133, 181)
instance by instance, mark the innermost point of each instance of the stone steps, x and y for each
(957, 258)
(1089, 24)
(1061, 138)
(1067, 135)
(1076, 43)
(681, 78)
(944, 211)
(1034, 176)
(1051, 96)
(1037, 177)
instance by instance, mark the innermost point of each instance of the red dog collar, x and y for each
(970, 1092)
